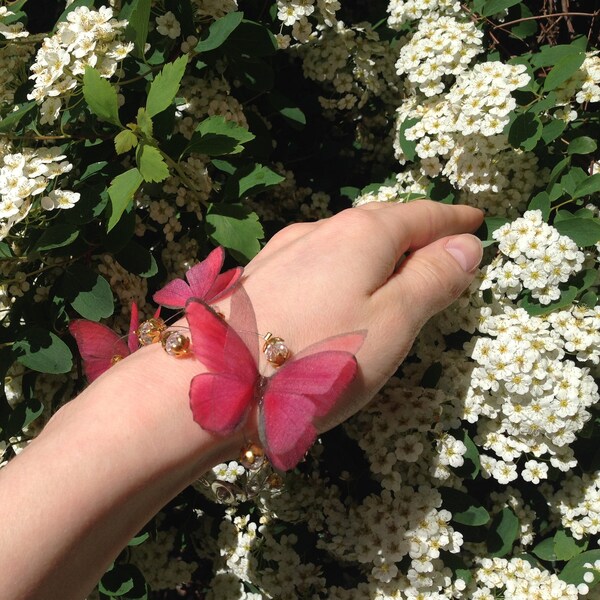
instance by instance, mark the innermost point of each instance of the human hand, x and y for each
(347, 273)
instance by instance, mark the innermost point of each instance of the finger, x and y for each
(375, 239)
(431, 278)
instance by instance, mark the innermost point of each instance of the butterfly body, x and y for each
(303, 389)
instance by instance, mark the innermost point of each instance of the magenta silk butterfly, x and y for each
(204, 281)
(100, 347)
(305, 388)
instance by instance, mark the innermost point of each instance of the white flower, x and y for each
(168, 25)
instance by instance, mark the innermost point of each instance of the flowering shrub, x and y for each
(138, 134)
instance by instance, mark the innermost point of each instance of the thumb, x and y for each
(432, 277)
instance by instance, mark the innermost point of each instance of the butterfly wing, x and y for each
(220, 399)
(133, 342)
(98, 345)
(304, 389)
(224, 284)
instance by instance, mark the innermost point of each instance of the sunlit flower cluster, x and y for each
(534, 257)
(87, 38)
(440, 47)
(300, 14)
(584, 85)
(401, 11)
(27, 174)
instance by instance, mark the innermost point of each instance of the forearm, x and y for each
(103, 466)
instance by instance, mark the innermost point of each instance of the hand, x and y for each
(381, 268)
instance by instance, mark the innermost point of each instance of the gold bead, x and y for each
(116, 358)
(275, 350)
(252, 457)
(150, 331)
(175, 343)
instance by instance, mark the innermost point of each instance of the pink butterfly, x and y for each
(306, 387)
(203, 282)
(100, 347)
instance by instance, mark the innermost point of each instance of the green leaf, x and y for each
(251, 39)
(527, 26)
(591, 185)
(5, 251)
(287, 108)
(87, 292)
(219, 31)
(56, 236)
(139, 539)
(566, 547)
(151, 164)
(137, 259)
(138, 23)
(525, 131)
(24, 413)
(121, 192)
(165, 86)
(125, 141)
(350, 192)
(472, 462)
(563, 69)
(217, 136)
(550, 55)
(10, 122)
(541, 202)
(464, 508)
(493, 7)
(235, 227)
(583, 231)
(553, 129)
(123, 581)
(260, 177)
(144, 122)
(101, 96)
(43, 351)
(556, 172)
(545, 550)
(408, 146)
(582, 145)
(504, 530)
(574, 570)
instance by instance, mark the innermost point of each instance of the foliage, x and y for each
(176, 125)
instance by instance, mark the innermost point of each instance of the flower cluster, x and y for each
(401, 11)
(88, 38)
(27, 174)
(12, 30)
(535, 257)
(583, 86)
(296, 13)
(441, 46)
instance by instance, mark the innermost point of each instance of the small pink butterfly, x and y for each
(203, 282)
(306, 387)
(100, 347)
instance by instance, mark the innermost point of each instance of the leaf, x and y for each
(583, 231)
(260, 177)
(408, 146)
(574, 570)
(219, 31)
(504, 530)
(144, 122)
(56, 236)
(43, 351)
(527, 26)
(87, 292)
(138, 24)
(101, 96)
(287, 108)
(251, 39)
(24, 413)
(550, 55)
(137, 259)
(525, 131)
(589, 186)
(545, 550)
(464, 508)
(139, 539)
(125, 140)
(472, 462)
(563, 69)
(235, 227)
(553, 129)
(10, 122)
(541, 202)
(124, 581)
(493, 7)
(217, 136)
(121, 192)
(151, 164)
(566, 547)
(582, 145)
(165, 86)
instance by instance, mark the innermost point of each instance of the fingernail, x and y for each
(466, 250)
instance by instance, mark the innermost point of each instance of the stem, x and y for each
(538, 17)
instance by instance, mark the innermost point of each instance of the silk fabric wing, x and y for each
(303, 389)
(99, 345)
(204, 282)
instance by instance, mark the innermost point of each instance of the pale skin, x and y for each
(110, 459)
